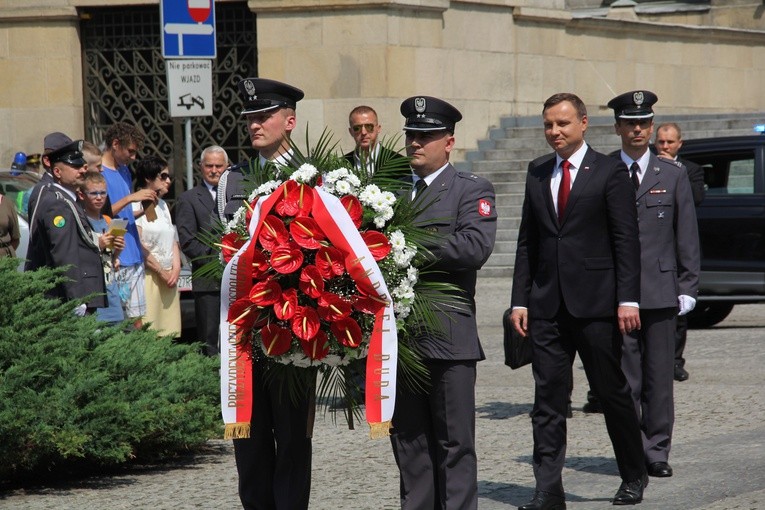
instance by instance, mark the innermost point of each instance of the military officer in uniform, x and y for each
(433, 434)
(274, 463)
(61, 234)
(670, 265)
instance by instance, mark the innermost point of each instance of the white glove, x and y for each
(80, 310)
(686, 304)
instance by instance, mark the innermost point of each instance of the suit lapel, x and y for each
(651, 178)
(583, 174)
(205, 197)
(548, 169)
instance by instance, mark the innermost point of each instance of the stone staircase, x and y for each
(505, 156)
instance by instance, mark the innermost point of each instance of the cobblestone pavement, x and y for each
(718, 454)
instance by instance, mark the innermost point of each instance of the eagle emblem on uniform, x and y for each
(419, 104)
(484, 207)
(249, 87)
(638, 98)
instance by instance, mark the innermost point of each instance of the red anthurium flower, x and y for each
(287, 304)
(329, 260)
(347, 331)
(284, 190)
(230, 244)
(250, 209)
(276, 339)
(273, 233)
(311, 282)
(354, 208)
(287, 258)
(243, 313)
(332, 307)
(317, 347)
(378, 244)
(259, 265)
(265, 293)
(368, 304)
(305, 322)
(306, 232)
(296, 199)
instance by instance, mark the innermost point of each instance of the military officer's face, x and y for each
(428, 150)
(68, 176)
(364, 129)
(564, 130)
(213, 165)
(635, 133)
(668, 142)
(268, 130)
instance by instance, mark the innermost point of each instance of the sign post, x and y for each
(188, 46)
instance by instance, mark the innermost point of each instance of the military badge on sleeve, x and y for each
(59, 221)
(484, 207)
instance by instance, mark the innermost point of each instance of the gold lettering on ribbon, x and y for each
(382, 357)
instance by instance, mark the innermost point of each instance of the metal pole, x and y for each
(189, 161)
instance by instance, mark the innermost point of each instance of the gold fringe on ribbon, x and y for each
(379, 430)
(237, 431)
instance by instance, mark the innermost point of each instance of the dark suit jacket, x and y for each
(696, 176)
(194, 213)
(61, 235)
(464, 213)
(591, 261)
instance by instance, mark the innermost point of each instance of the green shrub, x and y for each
(75, 394)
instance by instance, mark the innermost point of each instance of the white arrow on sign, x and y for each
(199, 10)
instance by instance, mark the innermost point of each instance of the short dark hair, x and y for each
(125, 134)
(147, 169)
(581, 109)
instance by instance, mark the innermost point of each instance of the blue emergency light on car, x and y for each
(759, 128)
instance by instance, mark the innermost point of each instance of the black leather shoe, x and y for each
(592, 407)
(631, 493)
(545, 501)
(681, 374)
(660, 469)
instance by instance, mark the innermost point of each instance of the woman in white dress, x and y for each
(162, 253)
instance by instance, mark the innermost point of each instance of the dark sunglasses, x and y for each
(368, 127)
(165, 176)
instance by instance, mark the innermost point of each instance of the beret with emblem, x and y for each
(261, 94)
(71, 154)
(425, 113)
(633, 105)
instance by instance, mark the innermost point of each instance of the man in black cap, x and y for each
(274, 463)
(576, 287)
(433, 434)
(51, 142)
(670, 265)
(61, 234)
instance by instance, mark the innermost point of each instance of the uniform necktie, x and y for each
(564, 189)
(419, 186)
(634, 170)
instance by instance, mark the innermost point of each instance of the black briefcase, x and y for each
(517, 348)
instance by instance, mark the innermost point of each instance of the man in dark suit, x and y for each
(369, 155)
(274, 463)
(576, 287)
(670, 265)
(433, 434)
(61, 234)
(668, 141)
(194, 214)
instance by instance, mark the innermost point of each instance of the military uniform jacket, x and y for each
(669, 238)
(589, 261)
(61, 235)
(464, 212)
(195, 210)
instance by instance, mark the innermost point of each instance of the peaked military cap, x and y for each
(70, 154)
(55, 140)
(261, 94)
(425, 113)
(634, 105)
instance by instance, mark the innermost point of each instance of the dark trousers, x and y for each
(648, 357)
(598, 341)
(274, 463)
(207, 311)
(681, 334)
(433, 440)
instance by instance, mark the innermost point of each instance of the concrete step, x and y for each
(498, 272)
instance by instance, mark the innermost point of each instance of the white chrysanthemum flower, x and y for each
(354, 180)
(305, 173)
(412, 274)
(397, 240)
(404, 257)
(264, 189)
(333, 360)
(336, 175)
(343, 187)
(300, 360)
(369, 195)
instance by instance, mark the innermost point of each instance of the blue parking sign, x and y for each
(188, 28)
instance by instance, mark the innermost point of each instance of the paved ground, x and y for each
(718, 453)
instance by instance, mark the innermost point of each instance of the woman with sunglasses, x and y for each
(162, 253)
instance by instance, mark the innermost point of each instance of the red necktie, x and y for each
(564, 189)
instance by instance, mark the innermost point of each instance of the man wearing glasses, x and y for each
(61, 234)
(368, 154)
